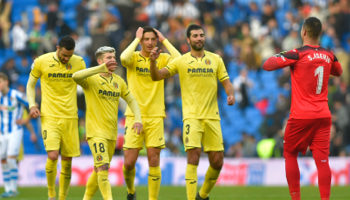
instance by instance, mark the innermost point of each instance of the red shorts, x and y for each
(303, 133)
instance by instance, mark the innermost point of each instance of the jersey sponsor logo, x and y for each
(108, 93)
(60, 75)
(143, 71)
(319, 56)
(202, 71)
(7, 108)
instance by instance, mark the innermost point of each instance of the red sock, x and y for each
(324, 176)
(293, 175)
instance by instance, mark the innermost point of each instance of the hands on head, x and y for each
(137, 127)
(160, 35)
(139, 33)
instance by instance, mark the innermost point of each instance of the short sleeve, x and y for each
(222, 73)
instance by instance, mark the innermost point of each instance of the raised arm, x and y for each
(172, 50)
(132, 103)
(79, 76)
(157, 74)
(281, 60)
(33, 108)
(229, 91)
(126, 55)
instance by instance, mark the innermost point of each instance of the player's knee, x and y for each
(103, 167)
(52, 155)
(129, 165)
(217, 163)
(153, 161)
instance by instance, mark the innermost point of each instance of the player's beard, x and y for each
(197, 46)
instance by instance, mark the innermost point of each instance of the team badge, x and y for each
(99, 158)
(44, 134)
(207, 62)
(115, 84)
(68, 66)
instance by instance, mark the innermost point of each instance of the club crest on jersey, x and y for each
(207, 62)
(115, 84)
(99, 158)
(68, 66)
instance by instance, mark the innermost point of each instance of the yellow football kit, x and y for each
(58, 102)
(102, 99)
(198, 81)
(149, 95)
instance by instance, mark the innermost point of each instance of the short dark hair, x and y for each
(149, 29)
(67, 42)
(313, 27)
(191, 28)
(4, 76)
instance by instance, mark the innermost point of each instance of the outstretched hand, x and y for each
(154, 53)
(137, 127)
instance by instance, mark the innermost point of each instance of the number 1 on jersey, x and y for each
(319, 74)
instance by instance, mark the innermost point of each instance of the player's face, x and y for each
(197, 39)
(106, 58)
(148, 41)
(64, 55)
(3, 84)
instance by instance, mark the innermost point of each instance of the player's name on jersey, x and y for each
(319, 56)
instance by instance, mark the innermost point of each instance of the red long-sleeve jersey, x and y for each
(310, 68)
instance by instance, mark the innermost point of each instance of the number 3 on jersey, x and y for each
(319, 73)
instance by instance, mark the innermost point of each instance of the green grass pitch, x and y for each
(179, 193)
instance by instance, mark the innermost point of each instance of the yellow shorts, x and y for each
(206, 132)
(102, 150)
(61, 134)
(152, 135)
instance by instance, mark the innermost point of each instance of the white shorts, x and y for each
(10, 144)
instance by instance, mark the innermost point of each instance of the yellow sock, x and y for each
(104, 185)
(191, 181)
(154, 180)
(65, 176)
(209, 181)
(129, 177)
(51, 172)
(91, 186)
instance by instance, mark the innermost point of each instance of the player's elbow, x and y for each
(75, 77)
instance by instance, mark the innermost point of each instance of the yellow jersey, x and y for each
(58, 90)
(102, 99)
(199, 85)
(148, 94)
